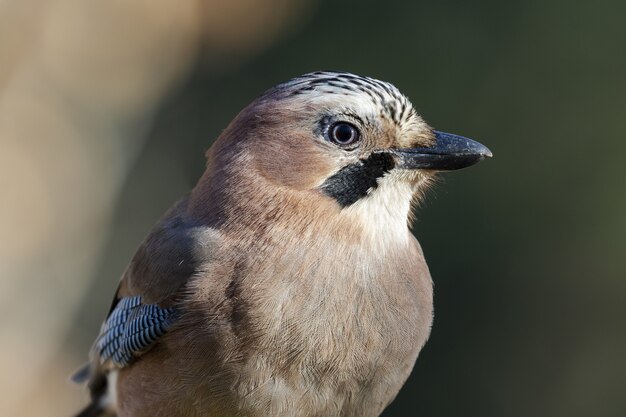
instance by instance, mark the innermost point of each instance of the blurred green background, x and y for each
(107, 108)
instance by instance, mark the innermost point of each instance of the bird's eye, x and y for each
(344, 134)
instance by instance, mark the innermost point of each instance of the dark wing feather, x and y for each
(109, 341)
(147, 324)
(143, 308)
(131, 328)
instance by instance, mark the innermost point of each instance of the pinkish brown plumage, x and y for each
(287, 283)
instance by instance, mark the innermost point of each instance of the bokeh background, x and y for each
(106, 109)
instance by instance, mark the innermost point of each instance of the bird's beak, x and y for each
(447, 153)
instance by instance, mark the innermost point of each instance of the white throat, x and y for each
(385, 211)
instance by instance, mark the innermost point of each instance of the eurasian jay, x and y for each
(287, 283)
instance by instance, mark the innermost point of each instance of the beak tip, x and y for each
(483, 153)
(479, 149)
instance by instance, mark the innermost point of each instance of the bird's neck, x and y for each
(263, 212)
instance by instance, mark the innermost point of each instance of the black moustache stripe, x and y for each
(354, 181)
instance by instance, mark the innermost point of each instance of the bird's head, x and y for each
(339, 141)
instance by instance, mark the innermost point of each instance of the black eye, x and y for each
(343, 134)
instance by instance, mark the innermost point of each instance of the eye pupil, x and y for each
(344, 134)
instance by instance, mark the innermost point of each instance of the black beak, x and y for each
(449, 152)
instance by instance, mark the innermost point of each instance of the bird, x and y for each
(287, 282)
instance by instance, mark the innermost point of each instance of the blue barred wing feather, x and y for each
(132, 327)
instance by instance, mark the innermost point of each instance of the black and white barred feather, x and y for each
(131, 328)
(384, 95)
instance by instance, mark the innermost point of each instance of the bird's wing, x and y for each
(145, 305)
(131, 329)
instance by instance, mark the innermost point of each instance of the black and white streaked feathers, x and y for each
(390, 101)
(132, 327)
